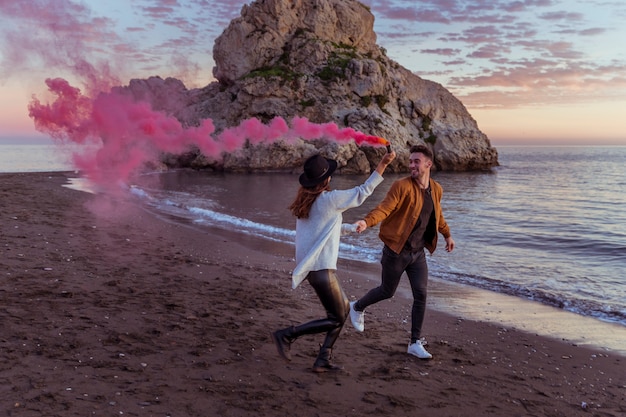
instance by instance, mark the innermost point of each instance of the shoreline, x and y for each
(603, 337)
(470, 303)
(109, 309)
(467, 302)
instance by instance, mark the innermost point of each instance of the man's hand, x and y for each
(360, 226)
(449, 243)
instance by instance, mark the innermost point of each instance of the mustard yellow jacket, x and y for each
(399, 211)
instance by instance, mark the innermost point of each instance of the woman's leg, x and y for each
(335, 303)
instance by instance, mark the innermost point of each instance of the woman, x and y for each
(318, 228)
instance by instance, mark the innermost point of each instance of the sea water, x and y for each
(547, 225)
(34, 158)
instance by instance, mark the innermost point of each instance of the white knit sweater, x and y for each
(317, 238)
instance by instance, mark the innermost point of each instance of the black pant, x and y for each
(393, 265)
(335, 302)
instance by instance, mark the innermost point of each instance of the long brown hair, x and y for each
(301, 206)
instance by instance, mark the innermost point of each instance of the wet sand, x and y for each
(108, 309)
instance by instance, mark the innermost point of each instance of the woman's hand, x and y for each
(387, 158)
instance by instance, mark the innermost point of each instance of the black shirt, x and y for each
(424, 226)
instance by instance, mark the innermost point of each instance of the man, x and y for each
(410, 217)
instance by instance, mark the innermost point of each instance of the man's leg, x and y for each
(417, 271)
(393, 265)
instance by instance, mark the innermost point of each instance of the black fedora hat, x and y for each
(317, 169)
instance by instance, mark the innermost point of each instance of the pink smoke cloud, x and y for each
(125, 134)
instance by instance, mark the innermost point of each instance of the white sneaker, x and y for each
(417, 349)
(357, 318)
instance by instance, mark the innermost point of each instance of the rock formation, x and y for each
(319, 59)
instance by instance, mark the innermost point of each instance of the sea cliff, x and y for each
(318, 59)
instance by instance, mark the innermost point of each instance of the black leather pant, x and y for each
(337, 308)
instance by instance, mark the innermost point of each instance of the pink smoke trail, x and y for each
(129, 134)
(307, 130)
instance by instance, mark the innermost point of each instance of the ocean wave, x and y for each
(583, 306)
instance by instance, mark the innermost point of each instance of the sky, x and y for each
(529, 71)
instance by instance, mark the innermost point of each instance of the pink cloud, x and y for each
(555, 49)
(570, 16)
(456, 62)
(490, 51)
(494, 19)
(451, 11)
(434, 14)
(183, 42)
(540, 82)
(405, 34)
(519, 6)
(592, 31)
(441, 51)
(158, 12)
(476, 35)
(61, 35)
(181, 23)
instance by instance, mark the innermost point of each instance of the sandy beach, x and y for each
(108, 309)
